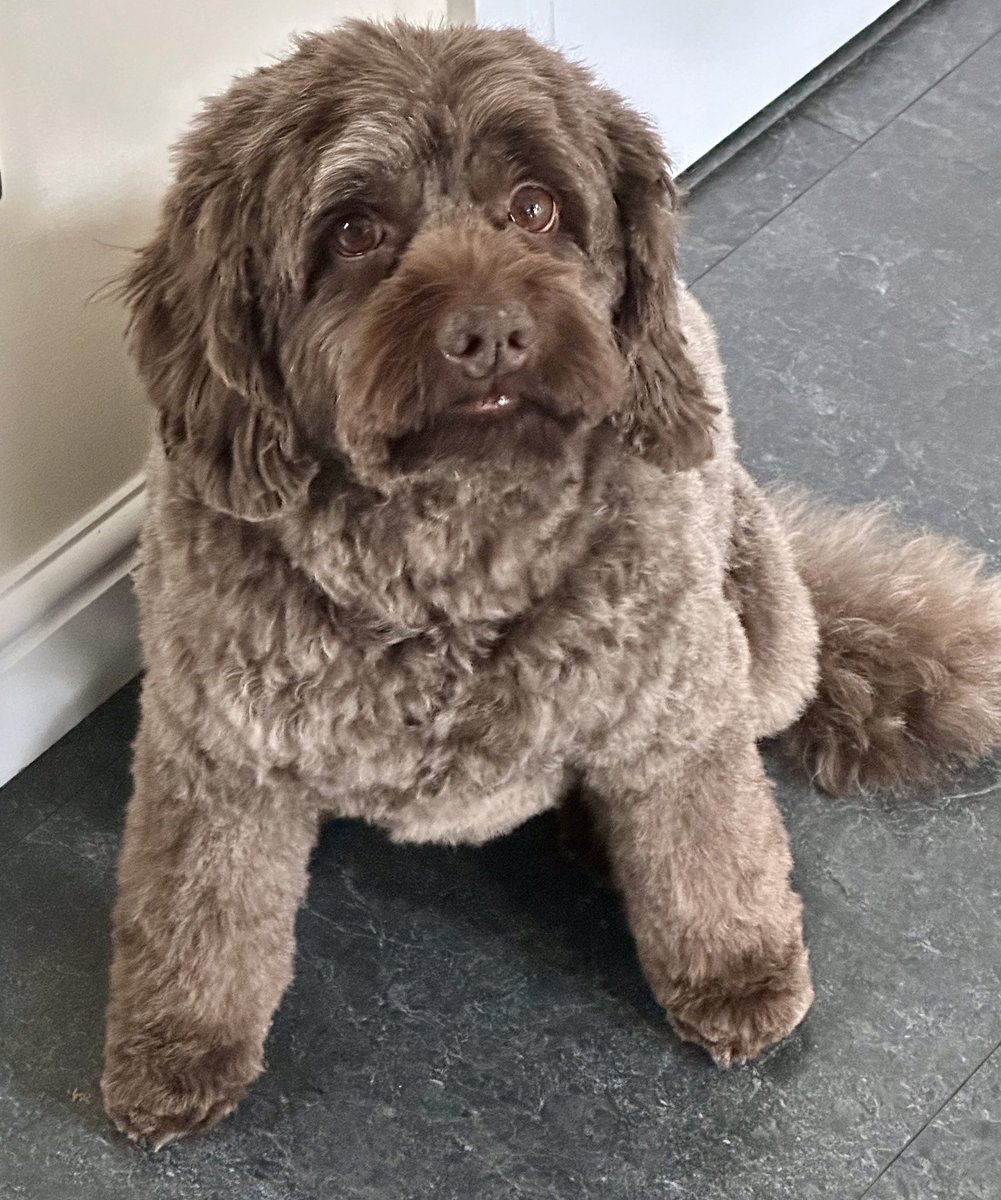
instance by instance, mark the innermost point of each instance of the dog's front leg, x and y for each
(212, 871)
(702, 859)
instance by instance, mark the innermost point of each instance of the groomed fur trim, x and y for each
(910, 659)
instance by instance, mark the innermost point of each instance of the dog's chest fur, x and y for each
(409, 672)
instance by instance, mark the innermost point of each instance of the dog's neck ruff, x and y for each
(476, 551)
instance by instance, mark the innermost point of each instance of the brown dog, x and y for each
(445, 518)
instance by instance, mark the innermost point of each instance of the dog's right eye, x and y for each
(534, 209)
(356, 234)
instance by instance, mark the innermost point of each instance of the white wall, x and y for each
(92, 93)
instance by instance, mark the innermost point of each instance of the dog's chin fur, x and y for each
(358, 597)
(533, 439)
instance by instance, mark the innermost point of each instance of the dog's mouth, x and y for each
(518, 395)
(493, 404)
(499, 422)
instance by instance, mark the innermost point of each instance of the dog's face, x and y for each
(420, 250)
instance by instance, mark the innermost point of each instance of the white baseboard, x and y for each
(68, 630)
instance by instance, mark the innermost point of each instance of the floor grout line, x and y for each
(833, 128)
(854, 150)
(911, 1140)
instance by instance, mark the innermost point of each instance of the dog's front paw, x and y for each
(737, 1019)
(157, 1091)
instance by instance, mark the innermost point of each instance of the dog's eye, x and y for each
(356, 234)
(533, 208)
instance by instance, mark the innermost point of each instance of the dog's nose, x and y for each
(484, 340)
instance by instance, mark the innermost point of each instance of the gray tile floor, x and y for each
(472, 1024)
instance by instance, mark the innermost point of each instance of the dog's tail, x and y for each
(910, 649)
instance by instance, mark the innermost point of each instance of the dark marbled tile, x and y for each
(898, 69)
(862, 327)
(726, 208)
(498, 1010)
(55, 901)
(473, 1022)
(64, 768)
(959, 1154)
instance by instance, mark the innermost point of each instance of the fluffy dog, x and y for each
(446, 522)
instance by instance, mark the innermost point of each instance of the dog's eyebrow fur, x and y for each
(373, 152)
(526, 130)
(364, 158)
(529, 136)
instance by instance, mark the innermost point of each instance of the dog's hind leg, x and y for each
(910, 658)
(775, 610)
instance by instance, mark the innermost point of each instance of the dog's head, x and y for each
(412, 249)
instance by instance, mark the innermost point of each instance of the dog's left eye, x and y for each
(533, 208)
(356, 234)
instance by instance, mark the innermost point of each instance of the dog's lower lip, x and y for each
(498, 402)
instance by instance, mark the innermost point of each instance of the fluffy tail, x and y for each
(910, 657)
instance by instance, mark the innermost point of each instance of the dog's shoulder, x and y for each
(702, 345)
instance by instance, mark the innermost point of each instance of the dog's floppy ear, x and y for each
(667, 418)
(198, 334)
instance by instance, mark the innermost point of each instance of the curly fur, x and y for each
(358, 599)
(910, 649)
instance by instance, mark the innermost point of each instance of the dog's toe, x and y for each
(157, 1101)
(737, 1025)
(187, 1116)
